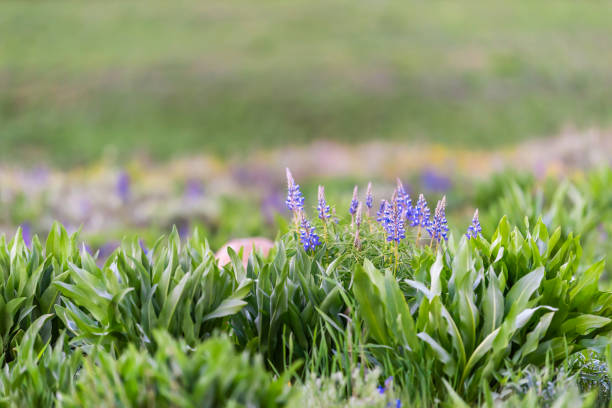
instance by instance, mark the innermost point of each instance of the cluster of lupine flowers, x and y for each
(394, 215)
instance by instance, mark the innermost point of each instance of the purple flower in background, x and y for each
(431, 181)
(438, 229)
(295, 199)
(308, 235)
(354, 202)
(194, 188)
(143, 247)
(394, 220)
(421, 214)
(271, 204)
(474, 229)
(123, 186)
(323, 207)
(106, 250)
(26, 233)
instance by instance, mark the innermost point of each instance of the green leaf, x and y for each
(521, 291)
(584, 324)
(369, 299)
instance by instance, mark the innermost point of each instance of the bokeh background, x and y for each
(131, 117)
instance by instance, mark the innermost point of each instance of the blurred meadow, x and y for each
(82, 78)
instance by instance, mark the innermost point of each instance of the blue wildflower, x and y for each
(474, 229)
(432, 181)
(295, 199)
(323, 207)
(438, 228)
(123, 186)
(308, 235)
(369, 199)
(421, 214)
(394, 220)
(382, 388)
(193, 189)
(380, 214)
(358, 219)
(354, 202)
(26, 233)
(404, 201)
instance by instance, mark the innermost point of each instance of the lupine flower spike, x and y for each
(369, 199)
(420, 216)
(394, 224)
(123, 186)
(353, 207)
(323, 208)
(380, 214)
(358, 217)
(394, 221)
(439, 226)
(295, 199)
(474, 229)
(308, 235)
(404, 200)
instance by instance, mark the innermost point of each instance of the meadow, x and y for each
(163, 81)
(467, 268)
(377, 301)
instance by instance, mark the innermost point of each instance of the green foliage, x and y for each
(176, 375)
(291, 293)
(581, 207)
(513, 317)
(38, 371)
(484, 304)
(181, 290)
(26, 289)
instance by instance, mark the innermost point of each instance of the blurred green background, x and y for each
(166, 79)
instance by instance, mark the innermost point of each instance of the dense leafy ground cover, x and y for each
(352, 307)
(143, 77)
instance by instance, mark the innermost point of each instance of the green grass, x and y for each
(206, 76)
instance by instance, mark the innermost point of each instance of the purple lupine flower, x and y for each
(193, 188)
(323, 207)
(421, 214)
(380, 214)
(474, 229)
(271, 204)
(295, 199)
(354, 202)
(438, 228)
(358, 219)
(358, 216)
(432, 181)
(382, 388)
(123, 186)
(369, 199)
(26, 233)
(404, 201)
(143, 247)
(308, 235)
(394, 220)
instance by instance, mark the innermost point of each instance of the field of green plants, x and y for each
(375, 301)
